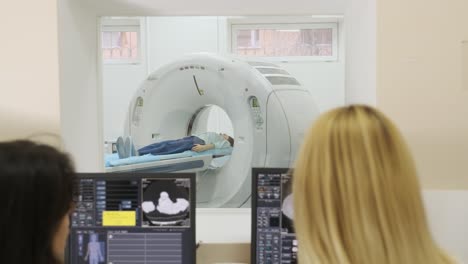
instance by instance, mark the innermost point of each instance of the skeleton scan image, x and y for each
(94, 252)
(91, 247)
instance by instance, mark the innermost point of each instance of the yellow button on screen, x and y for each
(119, 218)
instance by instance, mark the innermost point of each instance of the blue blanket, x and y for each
(113, 160)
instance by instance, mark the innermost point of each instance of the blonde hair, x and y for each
(356, 194)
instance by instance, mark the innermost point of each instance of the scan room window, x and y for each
(120, 42)
(315, 41)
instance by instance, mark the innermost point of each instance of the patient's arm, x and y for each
(101, 257)
(87, 253)
(200, 148)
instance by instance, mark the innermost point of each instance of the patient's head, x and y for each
(37, 184)
(229, 139)
(356, 193)
(93, 238)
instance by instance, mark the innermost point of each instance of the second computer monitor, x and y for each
(273, 236)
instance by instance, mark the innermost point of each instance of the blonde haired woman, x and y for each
(357, 196)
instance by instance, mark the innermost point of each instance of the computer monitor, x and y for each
(273, 236)
(133, 218)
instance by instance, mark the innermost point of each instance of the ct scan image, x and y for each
(166, 203)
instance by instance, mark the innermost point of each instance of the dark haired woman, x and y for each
(36, 193)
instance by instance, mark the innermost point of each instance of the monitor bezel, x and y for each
(255, 172)
(140, 175)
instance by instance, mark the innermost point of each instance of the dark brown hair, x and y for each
(37, 183)
(231, 141)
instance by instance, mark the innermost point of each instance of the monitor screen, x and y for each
(273, 237)
(133, 218)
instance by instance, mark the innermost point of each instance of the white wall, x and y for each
(325, 81)
(447, 212)
(223, 225)
(420, 84)
(120, 82)
(169, 38)
(29, 81)
(361, 51)
(81, 116)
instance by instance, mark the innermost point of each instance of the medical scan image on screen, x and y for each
(166, 203)
(91, 247)
(122, 219)
(274, 239)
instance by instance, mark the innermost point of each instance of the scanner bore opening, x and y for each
(211, 118)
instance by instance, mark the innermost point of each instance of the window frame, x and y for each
(235, 26)
(121, 25)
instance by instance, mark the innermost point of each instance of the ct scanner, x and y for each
(270, 112)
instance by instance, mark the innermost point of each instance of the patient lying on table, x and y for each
(198, 143)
